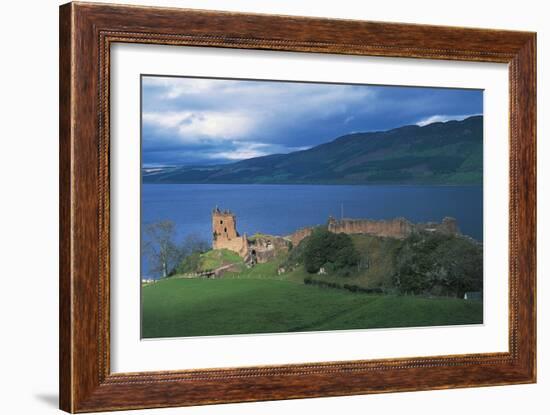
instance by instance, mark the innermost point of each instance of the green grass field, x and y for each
(200, 307)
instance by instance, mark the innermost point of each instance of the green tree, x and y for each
(464, 264)
(191, 249)
(191, 263)
(439, 265)
(335, 252)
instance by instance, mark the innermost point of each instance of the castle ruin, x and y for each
(224, 233)
(257, 249)
(398, 228)
(263, 248)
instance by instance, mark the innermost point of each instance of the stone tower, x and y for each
(224, 226)
(224, 232)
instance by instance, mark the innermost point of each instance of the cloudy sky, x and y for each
(190, 121)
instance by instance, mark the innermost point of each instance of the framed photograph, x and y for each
(258, 207)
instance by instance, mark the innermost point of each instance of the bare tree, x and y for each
(193, 243)
(163, 253)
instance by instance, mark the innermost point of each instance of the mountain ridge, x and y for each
(438, 153)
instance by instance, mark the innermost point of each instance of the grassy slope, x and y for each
(379, 253)
(217, 258)
(199, 307)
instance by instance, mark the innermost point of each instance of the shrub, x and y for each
(349, 287)
(437, 264)
(190, 264)
(334, 252)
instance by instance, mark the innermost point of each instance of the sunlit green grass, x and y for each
(219, 257)
(202, 307)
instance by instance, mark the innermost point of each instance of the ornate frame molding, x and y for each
(86, 33)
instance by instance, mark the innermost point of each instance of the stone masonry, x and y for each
(262, 248)
(257, 249)
(224, 233)
(398, 228)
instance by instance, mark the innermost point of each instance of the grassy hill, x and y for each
(208, 261)
(378, 264)
(218, 258)
(438, 153)
(380, 258)
(261, 299)
(201, 307)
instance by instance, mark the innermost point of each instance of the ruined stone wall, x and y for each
(300, 234)
(238, 245)
(267, 247)
(395, 228)
(448, 226)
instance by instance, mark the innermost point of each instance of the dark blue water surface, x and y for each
(282, 209)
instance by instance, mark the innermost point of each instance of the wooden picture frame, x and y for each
(86, 33)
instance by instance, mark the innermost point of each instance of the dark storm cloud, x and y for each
(198, 121)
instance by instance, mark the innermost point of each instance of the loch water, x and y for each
(282, 209)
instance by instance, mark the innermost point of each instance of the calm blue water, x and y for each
(281, 209)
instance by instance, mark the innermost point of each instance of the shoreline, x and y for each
(315, 184)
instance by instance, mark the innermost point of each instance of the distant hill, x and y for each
(439, 153)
